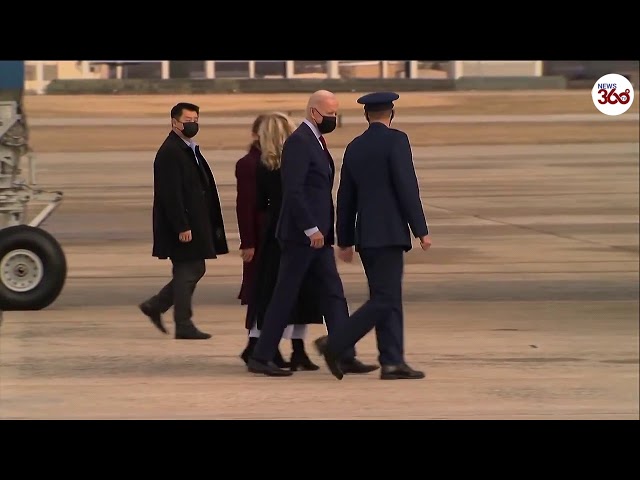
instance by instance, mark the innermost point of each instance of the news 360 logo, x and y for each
(612, 94)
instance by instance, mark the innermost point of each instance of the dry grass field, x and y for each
(148, 138)
(432, 103)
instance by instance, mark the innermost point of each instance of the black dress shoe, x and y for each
(329, 358)
(191, 333)
(280, 361)
(269, 369)
(301, 361)
(154, 315)
(356, 366)
(400, 372)
(248, 350)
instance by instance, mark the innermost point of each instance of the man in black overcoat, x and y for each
(187, 221)
(378, 208)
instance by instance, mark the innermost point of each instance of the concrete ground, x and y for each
(526, 307)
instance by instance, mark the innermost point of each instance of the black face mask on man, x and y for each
(328, 123)
(190, 129)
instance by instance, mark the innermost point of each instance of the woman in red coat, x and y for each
(257, 208)
(250, 227)
(250, 220)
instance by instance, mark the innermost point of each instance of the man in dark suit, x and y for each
(305, 230)
(187, 221)
(378, 203)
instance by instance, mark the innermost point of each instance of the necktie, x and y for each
(329, 158)
(326, 150)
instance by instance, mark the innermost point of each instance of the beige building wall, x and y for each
(371, 69)
(491, 68)
(38, 73)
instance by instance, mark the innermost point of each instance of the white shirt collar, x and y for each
(192, 146)
(315, 131)
(191, 143)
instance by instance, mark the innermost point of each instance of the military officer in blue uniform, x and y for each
(378, 208)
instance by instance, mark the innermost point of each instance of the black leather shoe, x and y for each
(248, 350)
(400, 372)
(301, 361)
(329, 358)
(191, 333)
(280, 361)
(154, 316)
(356, 366)
(269, 369)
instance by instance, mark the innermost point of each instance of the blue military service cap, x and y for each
(378, 101)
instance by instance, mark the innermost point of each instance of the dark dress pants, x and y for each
(383, 311)
(178, 293)
(296, 262)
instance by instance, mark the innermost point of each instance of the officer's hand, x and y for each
(345, 254)
(247, 254)
(425, 242)
(317, 240)
(185, 237)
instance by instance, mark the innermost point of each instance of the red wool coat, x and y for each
(250, 220)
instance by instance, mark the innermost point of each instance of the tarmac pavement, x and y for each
(526, 307)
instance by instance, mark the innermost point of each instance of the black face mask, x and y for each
(190, 129)
(327, 125)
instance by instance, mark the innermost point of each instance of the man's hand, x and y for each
(345, 254)
(317, 240)
(185, 237)
(425, 242)
(247, 254)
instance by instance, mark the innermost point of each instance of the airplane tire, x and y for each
(33, 268)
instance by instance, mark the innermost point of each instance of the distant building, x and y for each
(38, 74)
(593, 69)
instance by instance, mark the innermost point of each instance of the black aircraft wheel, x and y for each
(33, 268)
